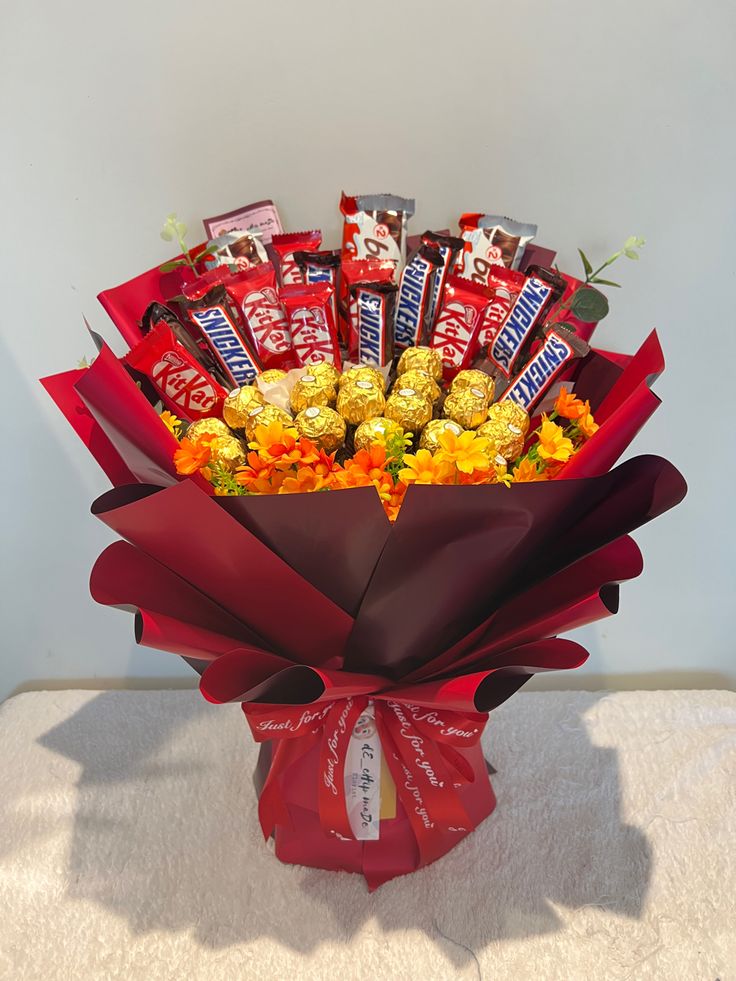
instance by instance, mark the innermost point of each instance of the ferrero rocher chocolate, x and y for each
(363, 372)
(228, 451)
(360, 400)
(407, 407)
(238, 404)
(213, 426)
(423, 358)
(429, 440)
(263, 415)
(376, 430)
(473, 378)
(324, 426)
(272, 375)
(309, 390)
(421, 382)
(325, 373)
(468, 407)
(506, 428)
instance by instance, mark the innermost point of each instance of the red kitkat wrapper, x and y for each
(254, 294)
(458, 323)
(284, 246)
(313, 331)
(505, 285)
(188, 390)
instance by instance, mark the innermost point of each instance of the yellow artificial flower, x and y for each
(553, 444)
(467, 451)
(172, 423)
(423, 468)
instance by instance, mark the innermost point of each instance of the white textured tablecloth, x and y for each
(129, 847)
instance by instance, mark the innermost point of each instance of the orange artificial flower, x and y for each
(568, 406)
(326, 467)
(553, 444)
(283, 447)
(467, 451)
(273, 435)
(371, 462)
(392, 504)
(423, 468)
(527, 471)
(191, 456)
(256, 469)
(351, 477)
(305, 480)
(586, 423)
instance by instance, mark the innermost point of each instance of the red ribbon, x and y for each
(418, 744)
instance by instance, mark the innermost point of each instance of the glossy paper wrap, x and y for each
(306, 607)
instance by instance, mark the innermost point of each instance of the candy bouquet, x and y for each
(361, 492)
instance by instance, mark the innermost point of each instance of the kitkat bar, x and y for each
(540, 292)
(414, 302)
(183, 384)
(505, 286)
(211, 314)
(372, 320)
(313, 329)
(254, 294)
(284, 247)
(559, 348)
(491, 240)
(449, 247)
(458, 323)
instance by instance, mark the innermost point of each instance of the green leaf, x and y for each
(631, 242)
(589, 305)
(630, 254)
(586, 264)
(605, 282)
(166, 234)
(171, 266)
(181, 229)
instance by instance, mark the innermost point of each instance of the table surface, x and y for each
(129, 847)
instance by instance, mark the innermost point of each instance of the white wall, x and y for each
(595, 120)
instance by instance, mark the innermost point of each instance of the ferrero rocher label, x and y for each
(506, 428)
(473, 378)
(423, 358)
(429, 440)
(407, 407)
(376, 430)
(421, 382)
(264, 415)
(359, 401)
(325, 373)
(324, 426)
(468, 407)
(238, 403)
(228, 451)
(363, 372)
(272, 375)
(309, 390)
(213, 427)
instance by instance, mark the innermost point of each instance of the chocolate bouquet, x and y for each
(362, 492)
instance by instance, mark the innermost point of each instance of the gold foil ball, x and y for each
(228, 451)
(363, 372)
(473, 378)
(272, 375)
(359, 401)
(423, 358)
(410, 409)
(239, 403)
(264, 415)
(309, 390)
(506, 428)
(422, 382)
(211, 426)
(324, 426)
(325, 373)
(429, 440)
(376, 430)
(468, 407)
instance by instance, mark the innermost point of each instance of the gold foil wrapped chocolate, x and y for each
(272, 375)
(429, 440)
(324, 426)
(423, 358)
(360, 400)
(421, 382)
(376, 430)
(228, 451)
(325, 373)
(468, 407)
(309, 390)
(363, 372)
(473, 378)
(239, 403)
(264, 415)
(210, 426)
(506, 428)
(407, 407)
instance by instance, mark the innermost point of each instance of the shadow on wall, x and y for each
(166, 835)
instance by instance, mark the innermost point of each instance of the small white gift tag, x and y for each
(363, 777)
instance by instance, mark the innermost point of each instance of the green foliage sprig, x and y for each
(175, 229)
